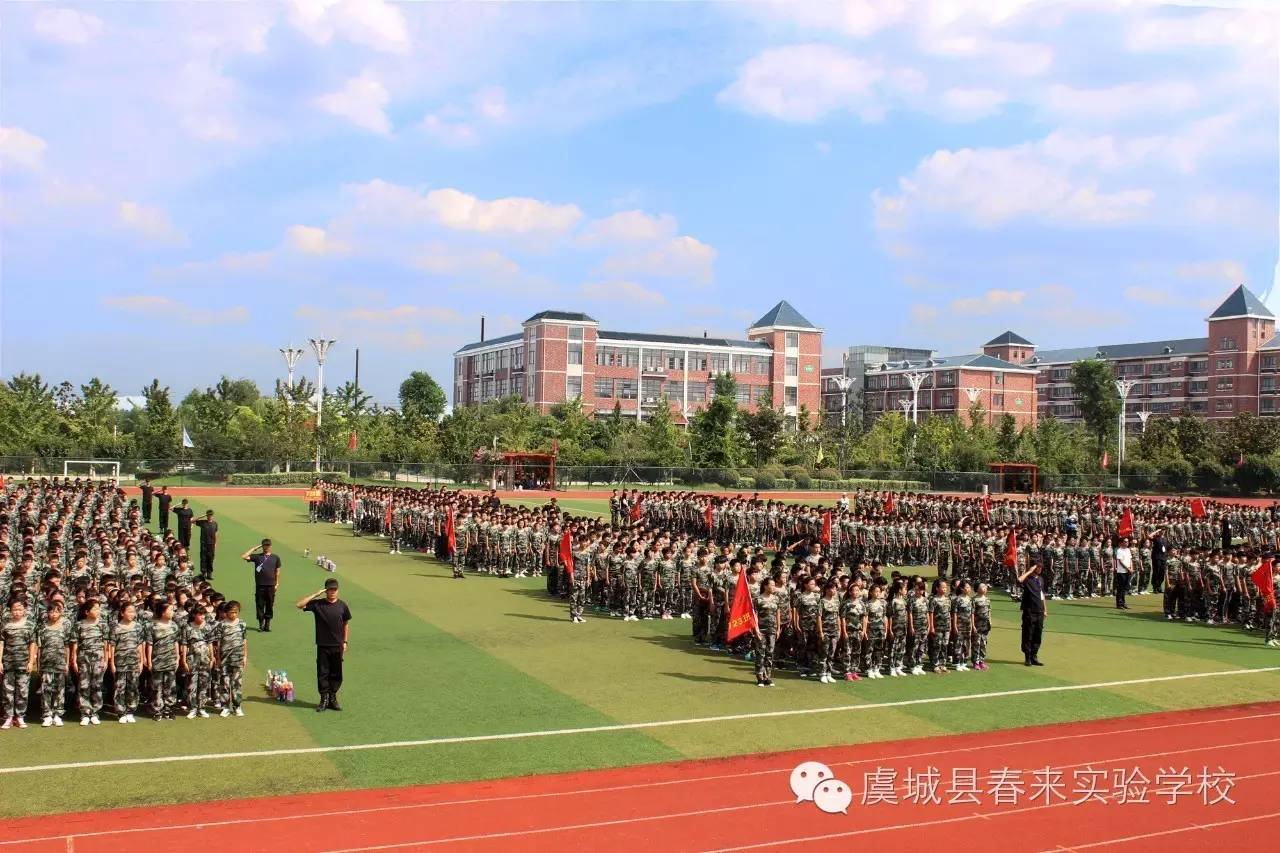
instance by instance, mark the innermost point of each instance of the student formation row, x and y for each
(101, 614)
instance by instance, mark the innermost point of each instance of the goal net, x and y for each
(92, 469)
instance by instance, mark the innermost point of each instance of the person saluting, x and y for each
(333, 630)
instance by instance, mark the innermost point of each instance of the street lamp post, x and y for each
(1123, 387)
(844, 383)
(321, 347)
(292, 355)
(916, 380)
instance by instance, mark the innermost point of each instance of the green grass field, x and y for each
(436, 658)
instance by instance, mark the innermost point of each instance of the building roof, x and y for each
(571, 316)
(1274, 343)
(1008, 338)
(680, 340)
(1241, 303)
(783, 314)
(505, 339)
(978, 360)
(1113, 352)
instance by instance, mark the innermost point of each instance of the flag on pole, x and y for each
(186, 439)
(1197, 508)
(986, 508)
(1126, 523)
(826, 527)
(1011, 549)
(742, 614)
(708, 515)
(1261, 578)
(635, 510)
(450, 535)
(888, 504)
(1106, 460)
(353, 441)
(820, 455)
(1102, 503)
(1240, 461)
(566, 552)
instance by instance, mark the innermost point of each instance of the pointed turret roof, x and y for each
(1241, 303)
(783, 314)
(1008, 338)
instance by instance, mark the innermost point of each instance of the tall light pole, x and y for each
(844, 383)
(1123, 387)
(916, 380)
(1142, 416)
(292, 355)
(321, 347)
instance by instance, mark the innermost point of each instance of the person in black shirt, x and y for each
(1033, 613)
(184, 514)
(266, 580)
(147, 491)
(333, 630)
(208, 543)
(164, 501)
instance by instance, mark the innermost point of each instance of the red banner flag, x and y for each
(386, 517)
(450, 535)
(1197, 508)
(1011, 550)
(742, 614)
(986, 508)
(888, 504)
(1106, 460)
(826, 527)
(635, 510)
(1126, 523)
(1262, 580)
(566, 551)
(708, 515)
(353, 441)
(1102, 503)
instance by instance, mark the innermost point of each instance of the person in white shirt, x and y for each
(1124, 566)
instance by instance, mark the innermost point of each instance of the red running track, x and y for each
(745, 803)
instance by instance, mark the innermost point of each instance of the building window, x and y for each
(697, 392)
(763, 365)
(674, 391)
(998, 378)
(742, 364)
(1159, 369)
(946, 401)
(517, 386)
(626, 389)
(793, 366)
(1269, 362)
(487, 389)
(1199, 386)
(1060, 374)
(650, 389)
(997, 401)
(1226, 363)
(793, 340)
(947, 379)
(517, 358)
(1268, 405)
(1224, 405)
(1226, 383)
(604, 388)
(1157, 388)
(758, 393)
(503, 359)
(572, 387)
(1198, 366)
(575, 354)
(742, 394)
(1227, 344)
(698, 361)
(675, 360)
(575, 333)
(1268, 383)
(790, 395)
(718, 363)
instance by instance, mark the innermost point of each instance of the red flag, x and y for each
(1126, 523)
(888, 503)
(826, 527)
(635, 510)
(1102, 503)
(1011, 549)
(353, 441)
(709, 516)
(986, 508)
(386, 517)
(1240, 461)
(566, 551)
(450, 536)
(1106, 460)
(1197, 508)
(1262, 580)
(742, 614)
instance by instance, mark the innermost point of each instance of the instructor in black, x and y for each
(333, 629)
(148, 492)
(266, 580)
(1033, 613)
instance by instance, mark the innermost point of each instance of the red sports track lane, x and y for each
(746, 802)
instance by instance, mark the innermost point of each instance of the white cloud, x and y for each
(629, 226)
(461, 125)
(805, 82)
(1232, 28)
(310, 240)
(362, 101)
(67, 26)
(623, 291)
(1233, 272)
(992, 186)
(228, 262)
(460, 211)
(153, 223)
(163, 307)
(371, 23)
(440, 259)
(20, 149)
(1122, 102)
(679, 257)
(967, 104)
(991, 302)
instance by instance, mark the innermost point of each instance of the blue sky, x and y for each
(189, 187)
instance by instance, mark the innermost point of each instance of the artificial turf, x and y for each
(432, 657)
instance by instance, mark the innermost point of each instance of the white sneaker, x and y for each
(191, 715)
(46, 722)
(225, 712)
(94, 720)
(19, 722)
(204, 715)
(7, 724)
(57, 722)
(124, 719)
(239, 712)
(84, 721)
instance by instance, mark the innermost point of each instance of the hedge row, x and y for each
(764, 482)
(292, 478)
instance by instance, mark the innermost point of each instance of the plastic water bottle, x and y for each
(306, 552)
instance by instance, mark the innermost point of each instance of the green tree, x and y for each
(1195, 437)
(1094, 383)
(661, 437)
(714, 432)
(1007, 438)
(237, 392)
(30, 423)
(351, 401)
(159, 437)
(764, 430)
(421, 397)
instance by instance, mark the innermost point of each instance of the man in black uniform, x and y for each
(1159, 559)
(148, 491)
(266, 580)
(333, 619)
(164, 501)
(1033, 613)
(184, 514)
(208, 543)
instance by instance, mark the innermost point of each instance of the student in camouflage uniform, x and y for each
(18, 637)
(853, 629)
(962, 626)
(719, 617)
(806, 609)
(939, 626)
(195, 659)
(1273, 621)
(231, 639)
(580, 579)
(668, 585)
(649, 570)
(918, 625)
(54, 638)
(768, 628)
(125, 656)
(981, 627)
(88, 652)
(877, 630)
(899, 617)
(162, 660)
(828, 623)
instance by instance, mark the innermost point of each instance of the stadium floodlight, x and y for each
(321, 347)
(292, 355)
(844, 384)
(1123, 387)
(916, 380)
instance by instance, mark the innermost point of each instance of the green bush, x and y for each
(1142, 475)
(1257, 474)
(1177, 475)
(766, 480)
(1210, 475)
(786, 483)
(292, 478)
(803, 480)
(795, 471)
(745, 484)
(827, 474)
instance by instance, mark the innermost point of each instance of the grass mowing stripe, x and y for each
(618, 727)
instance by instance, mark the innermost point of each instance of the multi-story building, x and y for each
(952, 385)
(1232, 370)
(564, 355)
(839, 396)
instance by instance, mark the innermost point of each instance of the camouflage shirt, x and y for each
(163, 639)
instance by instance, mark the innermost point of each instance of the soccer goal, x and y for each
(92, 469)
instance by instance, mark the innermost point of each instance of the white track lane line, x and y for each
(1164, 832)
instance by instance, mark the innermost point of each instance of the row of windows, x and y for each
(483, 390)
(488, 362)
(656, 360)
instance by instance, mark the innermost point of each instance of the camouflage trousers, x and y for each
(765, 646)
(980, 646)
(198, 687)
(578, 596)
(919, 647)
(701, 619)
(126, 692)
(232, 676)
(829, 649)
(960, 647)
(91, 671)
(938, 649)
(17, 687)
(898, 649)
(164, 690)
(875, 651)
(53, 693)
(630, 600)
(851, 651)
(1273, 624)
